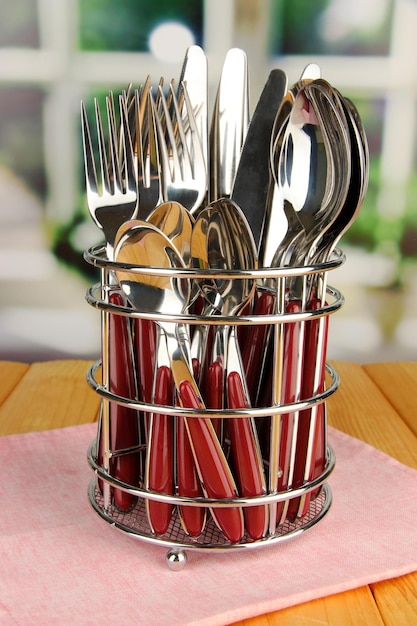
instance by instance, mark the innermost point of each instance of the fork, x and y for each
(112, 203)
(116, 200)
(183, 163)
(142, 126)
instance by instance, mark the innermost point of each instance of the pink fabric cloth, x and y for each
(60, 563)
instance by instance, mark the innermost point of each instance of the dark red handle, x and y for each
(291, 358)
(247, 459)
(145, 342)
(192, 517)
(215, 391)
(255, 344)
(146, 349)
(307, 429)
(160, 462)
(214, 471)
(124, 429)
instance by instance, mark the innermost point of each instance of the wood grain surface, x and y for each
(375, 403)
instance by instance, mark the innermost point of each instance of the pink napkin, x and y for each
(62, 564)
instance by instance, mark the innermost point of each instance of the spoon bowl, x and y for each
(229, 245)
(313, 169)
(167, 296)
(358, 181)
(222, 240)
(173, 219)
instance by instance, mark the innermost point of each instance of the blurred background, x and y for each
(53, 54)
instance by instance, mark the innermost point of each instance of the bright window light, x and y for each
(338, 20)
(169, 40)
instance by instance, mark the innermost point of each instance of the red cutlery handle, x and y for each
(289, 393)
(192, 518)
(255, 343)
(214, 472)
(247, 458)
(124, 428)
(145, 344)
(146, 349)
(312, 421)
(160, 462)
(215, 391)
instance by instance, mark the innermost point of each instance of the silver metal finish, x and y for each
(136, 522)
(229, 124)
(261, 468)
(147, 151)
(194, 77)
(176, 559)
(172, 219)
(110, 207)
(252, 184)
(183, 163)
(145, 245)
(117, 200)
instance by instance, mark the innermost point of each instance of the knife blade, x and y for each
(253, 178)
(229, 124)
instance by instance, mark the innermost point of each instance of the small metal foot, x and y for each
(176, 559)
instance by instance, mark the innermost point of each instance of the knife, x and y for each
(245, 449)
(159, 474)
(252, 183)
(229, 124)
(192, 518)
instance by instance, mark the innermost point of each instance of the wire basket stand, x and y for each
(291, 428)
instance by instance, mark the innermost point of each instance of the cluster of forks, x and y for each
(153, 154)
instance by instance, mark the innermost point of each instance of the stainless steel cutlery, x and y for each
(219, 244)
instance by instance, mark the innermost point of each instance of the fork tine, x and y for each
(139, 114)
(129, 173)
(153, 146)
(174, 162)
(104, 168)
(193, 127)
(136, 109)
(114, 161)
(186, 160)
(149, 160)
(160, 143)
(184, 172)
(89, 165)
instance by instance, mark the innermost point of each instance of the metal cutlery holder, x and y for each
(290, 422)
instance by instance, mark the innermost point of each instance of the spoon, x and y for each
(173, 219)
(312, 465)
(277, 223)
(312, 172)
(229, 245)
(314, 165)
(145, 245)
(222, 240)
(358, 180)
(280, 223)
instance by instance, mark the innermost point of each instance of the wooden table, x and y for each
(375, 403)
